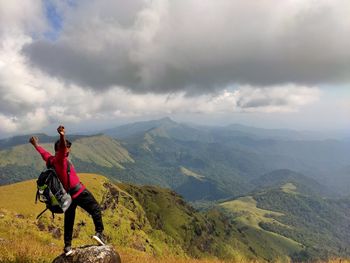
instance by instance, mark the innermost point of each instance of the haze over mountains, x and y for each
(200, 162)
(279, 192)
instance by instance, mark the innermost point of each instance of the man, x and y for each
(80, 195)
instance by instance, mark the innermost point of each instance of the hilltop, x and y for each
(145, 219)
(274, 224)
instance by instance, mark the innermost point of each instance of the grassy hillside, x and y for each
(141, 222)
(286, 220)
(156, 225)
(268, 245)
(168, 212)
(320, 224)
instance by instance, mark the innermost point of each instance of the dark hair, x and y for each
(68, 144)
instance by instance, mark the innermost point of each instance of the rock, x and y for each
(56, 233)
(19, 216)
(90, 254)
(41, 226)
(139, 246)
(111, 199)
(117, 223)
(82, 223)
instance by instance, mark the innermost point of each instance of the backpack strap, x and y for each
(49, 165)
(68, 174)
(41, 213)
(53, 215)
(77, 187)
(49, 162)
(37, 196)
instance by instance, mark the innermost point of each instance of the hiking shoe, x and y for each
(68, 250)
(99, 238)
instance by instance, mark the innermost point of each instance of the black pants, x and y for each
(88, 202)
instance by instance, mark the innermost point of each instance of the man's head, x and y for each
(68, 144)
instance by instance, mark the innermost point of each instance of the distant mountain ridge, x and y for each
(129, 130)
(132, 129)
(279, 178)
(230, 159)
(43, 138)
(245, 153)
(90, 154)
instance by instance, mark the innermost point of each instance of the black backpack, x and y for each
(51, 191)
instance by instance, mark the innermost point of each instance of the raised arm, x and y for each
(44, 154)
(62, 147)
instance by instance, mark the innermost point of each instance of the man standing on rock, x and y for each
(81, 196)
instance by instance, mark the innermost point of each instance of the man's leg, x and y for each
(88, 202)
(69, 217)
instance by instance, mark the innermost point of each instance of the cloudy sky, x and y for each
(97, 63)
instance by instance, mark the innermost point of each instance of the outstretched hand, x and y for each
(60, 130)
(34, 140)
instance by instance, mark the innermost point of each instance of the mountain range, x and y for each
(270, 194)
(201, 163)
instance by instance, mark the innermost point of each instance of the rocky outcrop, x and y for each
(90, 254)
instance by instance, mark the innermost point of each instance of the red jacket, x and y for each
(60, 162)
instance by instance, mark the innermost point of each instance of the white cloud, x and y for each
(153, 43)
(199, 46)
(7, 124)
(20, 87)
(31, 121)
(31, 99)
(288, 98)
(118, 102)
(18, 17)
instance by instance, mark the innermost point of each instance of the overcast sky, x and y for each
(91, 64)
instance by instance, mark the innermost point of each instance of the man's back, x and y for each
(60, 163)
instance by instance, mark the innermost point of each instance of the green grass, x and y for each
(145, 219)
(148, 220)
(249, 213)
(318, 223)
(102, 151)
(125, 222)
(200, 234)
(268, 245)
